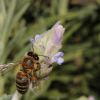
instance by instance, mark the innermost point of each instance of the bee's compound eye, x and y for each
(30, 53)
(35, 56)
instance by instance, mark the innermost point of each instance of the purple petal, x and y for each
(60, 61)
(58, 58)
(32, 40)
(59, 54)
(37, 37)
(58, 32)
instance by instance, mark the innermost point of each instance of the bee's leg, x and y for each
(33, 78)
(34, 81)
(36, 66)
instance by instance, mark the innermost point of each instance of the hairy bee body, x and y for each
(22, 82)
(27, 74)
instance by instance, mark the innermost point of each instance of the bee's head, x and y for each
(30, 53)
(34, 55)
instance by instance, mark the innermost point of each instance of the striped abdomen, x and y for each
(22, 82)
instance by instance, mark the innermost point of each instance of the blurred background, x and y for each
(78, 77)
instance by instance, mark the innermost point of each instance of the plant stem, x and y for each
(16, 96)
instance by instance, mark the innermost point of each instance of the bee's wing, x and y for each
(35, 87)
(7, 67)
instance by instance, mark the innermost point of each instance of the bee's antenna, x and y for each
(32, 48)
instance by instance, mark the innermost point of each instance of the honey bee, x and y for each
(27, 74)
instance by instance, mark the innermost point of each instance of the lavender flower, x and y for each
(49, 43)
